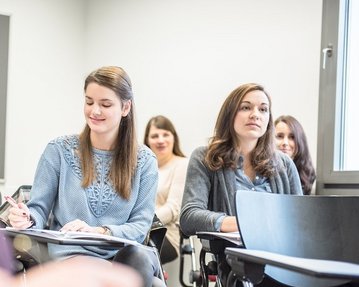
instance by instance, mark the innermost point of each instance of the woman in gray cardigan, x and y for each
(240, 156)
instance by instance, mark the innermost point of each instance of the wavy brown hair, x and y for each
(301, 156)
(222, 149)
(161, 122)
(124, 159)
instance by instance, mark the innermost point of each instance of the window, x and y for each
(350, 150)
(338, 137)
(4, 48)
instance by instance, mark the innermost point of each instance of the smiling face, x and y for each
(104, 110)
(285, 140)
(251, 120)
(161, 142)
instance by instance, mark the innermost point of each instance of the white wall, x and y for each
(184, 57)
(46, 60)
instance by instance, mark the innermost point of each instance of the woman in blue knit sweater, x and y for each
(100, 181)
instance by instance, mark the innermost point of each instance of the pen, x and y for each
(13, 203)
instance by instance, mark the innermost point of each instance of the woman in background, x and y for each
(162, 138)
(291, 139)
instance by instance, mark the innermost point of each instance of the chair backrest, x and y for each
(156, 235)
(320, 227)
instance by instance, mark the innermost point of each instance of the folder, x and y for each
(233, 237)
(70, 238)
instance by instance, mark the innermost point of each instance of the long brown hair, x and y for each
(161, 122)
(222, 149)
(124, 159)
(301, 156)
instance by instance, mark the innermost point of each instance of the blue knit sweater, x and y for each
(57, 187)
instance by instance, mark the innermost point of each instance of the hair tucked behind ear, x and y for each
(125, 153)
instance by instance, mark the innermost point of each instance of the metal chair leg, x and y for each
(247, 284)
(202, 260)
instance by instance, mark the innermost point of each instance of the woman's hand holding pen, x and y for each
(19, 214)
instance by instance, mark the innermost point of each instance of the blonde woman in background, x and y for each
(162, 138)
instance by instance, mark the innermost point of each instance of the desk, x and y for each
(31, 244)
(215, 243)
(250, 264)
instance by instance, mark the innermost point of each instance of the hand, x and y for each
(229, 224)
(19, 216)
(79, 225)
(81, 271)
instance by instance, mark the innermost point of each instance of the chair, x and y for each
(214, 246)
(299, 237)
(211, 253)
(155, 240)
(157, 234)
(187, 248)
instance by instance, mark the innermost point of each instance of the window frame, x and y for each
(330, 180)
(4, 54)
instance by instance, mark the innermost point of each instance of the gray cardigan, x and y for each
(209, 195)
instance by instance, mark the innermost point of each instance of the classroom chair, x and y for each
(309, 241)
(212, 250)
(187, 250)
